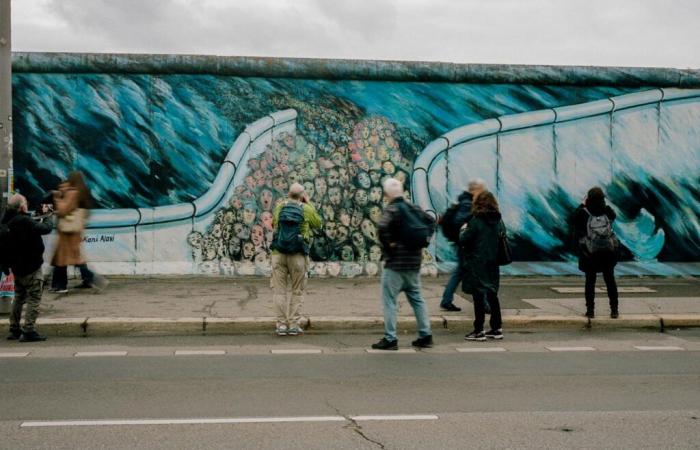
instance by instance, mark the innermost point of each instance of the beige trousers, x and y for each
(286, 268)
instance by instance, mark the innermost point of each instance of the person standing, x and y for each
(292, 222)
(72, 203)
(404, 230)
(451, 226)
(597, 247)
(479, 239)
(24, 256)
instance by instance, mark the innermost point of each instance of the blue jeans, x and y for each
(449, 294)
(393, 283)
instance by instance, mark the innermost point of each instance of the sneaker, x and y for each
(423, 342)
(14, 334)
(59, 290)
(450, 307)
(494, 334)
(281, 329)
(31, 336)
(475, 336)
(384, 344)
(295, 330)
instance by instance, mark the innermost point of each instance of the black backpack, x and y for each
(416, 227)
(288, 238)
(448, 223)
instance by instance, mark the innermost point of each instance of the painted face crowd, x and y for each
(342, 177)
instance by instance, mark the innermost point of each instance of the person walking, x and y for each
(404, 230)
(23, 254)
(597, 247)
(292, 223)
(72, 203)
(479, 240)
(456, 216)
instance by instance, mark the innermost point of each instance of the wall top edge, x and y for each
(337, 69)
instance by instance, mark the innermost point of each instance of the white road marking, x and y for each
(571, 349)
(14, 355)
(401, 350)
(480, 350)
(231, 420)
(620, 289)
(90, 354)
(296, 351)
(651, 348)
(199, 352)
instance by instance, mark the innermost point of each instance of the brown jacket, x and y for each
(68, 245)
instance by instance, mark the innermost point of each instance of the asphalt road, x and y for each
(613, 395)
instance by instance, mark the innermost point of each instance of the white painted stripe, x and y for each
(571, 349)
(401, 350)
(14, 355)
(199, 352)
(231, 420)
(651, 348)
(480, 349)
(620, 289)
(296, 351)
(89, 354)
(398, 417)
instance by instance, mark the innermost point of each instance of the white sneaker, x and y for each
(295, 330)
(282, 329)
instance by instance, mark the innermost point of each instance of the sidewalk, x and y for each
(218, 305)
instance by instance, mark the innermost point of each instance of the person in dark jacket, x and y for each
(401, 269)
(480, 270)
(24, 259)
(464, 213)
(591, 264)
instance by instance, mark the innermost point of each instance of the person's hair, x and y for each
(393, 188)
(476, 183)
(484, 202)
(296, 191)
(15, 202)
(77, 181)
(595, 198)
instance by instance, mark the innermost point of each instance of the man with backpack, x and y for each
(597, 245)
(22, 252)
(404, 231)
(292, 222)
(451, 222)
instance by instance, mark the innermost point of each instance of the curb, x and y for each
(191, 326)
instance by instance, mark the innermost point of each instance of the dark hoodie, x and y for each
(479, 252)
(25, 254)
(592, 263)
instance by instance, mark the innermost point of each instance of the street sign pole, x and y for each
(5, 103)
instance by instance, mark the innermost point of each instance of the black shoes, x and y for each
(31, 336)
(475, 336)
(383, 344)
(590, 314)
(494, 334)
(423, 342)
(14, 334)
(450, 307)
(614, 314)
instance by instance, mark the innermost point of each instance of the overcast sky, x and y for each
(581, 32)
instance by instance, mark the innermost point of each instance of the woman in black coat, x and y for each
(481, 272)
(592, 263)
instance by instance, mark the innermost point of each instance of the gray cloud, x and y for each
(588, 32)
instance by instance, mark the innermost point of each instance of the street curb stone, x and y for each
(127, 326)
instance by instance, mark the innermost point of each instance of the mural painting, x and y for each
(186, 169)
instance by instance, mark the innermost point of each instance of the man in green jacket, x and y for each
(292, 222)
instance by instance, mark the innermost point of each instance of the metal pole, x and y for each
(5, 103)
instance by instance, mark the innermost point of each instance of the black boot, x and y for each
(31, 336)
(423, 342)
(14, 334)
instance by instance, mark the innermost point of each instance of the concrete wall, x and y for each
(186, 155)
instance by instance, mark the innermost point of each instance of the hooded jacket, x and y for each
(592, 263)
(26, 248)
(479, 252)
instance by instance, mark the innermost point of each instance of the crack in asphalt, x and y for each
(356, 427)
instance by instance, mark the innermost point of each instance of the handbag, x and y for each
(74, 222)
(505, 254)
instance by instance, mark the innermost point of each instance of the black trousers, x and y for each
(609, 277)
(480, 300)
(59, 280)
